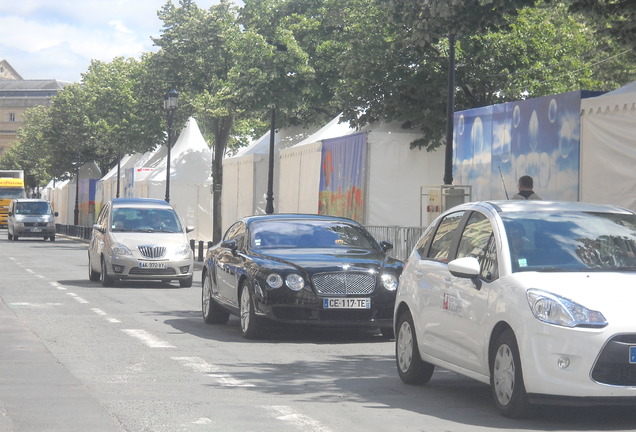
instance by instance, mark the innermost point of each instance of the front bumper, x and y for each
(167, 269)
(578, 363)
(306, 307)
(33, 231)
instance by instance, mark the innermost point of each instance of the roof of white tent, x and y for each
(333, 129)
(190, 157)
(285, 137)
(621, 98)
(127, 161)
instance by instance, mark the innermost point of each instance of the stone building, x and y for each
(16, 96)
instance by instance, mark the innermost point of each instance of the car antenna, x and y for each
(502, 182)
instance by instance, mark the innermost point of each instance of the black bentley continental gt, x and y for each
(300, 269)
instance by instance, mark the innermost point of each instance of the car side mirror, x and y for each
(189, 228)
(386, 246)
(56, 214)
(99, 228)
(466, 267)
(230, 244)
(10, 213)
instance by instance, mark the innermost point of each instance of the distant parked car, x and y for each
(300, 269)
(140, 239)
(535, 298)
(31, 218)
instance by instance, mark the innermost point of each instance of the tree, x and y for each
(119, 119)
(616, 18)
(223, 71)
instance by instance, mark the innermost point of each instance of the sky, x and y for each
(57, 39)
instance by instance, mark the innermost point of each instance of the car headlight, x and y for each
(557, 310)
(390, 281)
(274, 280)
(295, 282)
(184, 250)
(120, 249)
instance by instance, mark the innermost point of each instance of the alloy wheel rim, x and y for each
(405, 347)
(245, 309)
(206, 297)
(504, 374)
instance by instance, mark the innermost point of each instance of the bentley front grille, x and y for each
(344, 283)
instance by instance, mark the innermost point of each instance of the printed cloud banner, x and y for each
(497, 144)
(343, 174)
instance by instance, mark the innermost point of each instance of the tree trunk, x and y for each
(222, 127)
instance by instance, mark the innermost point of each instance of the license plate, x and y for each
(346, 303)
(632, 354)
(152, 265)
(36, 229)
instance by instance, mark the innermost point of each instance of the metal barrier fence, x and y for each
(402, 238)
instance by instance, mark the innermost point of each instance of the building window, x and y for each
(11, 117)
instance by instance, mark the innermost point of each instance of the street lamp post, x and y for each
(170, 102)
(269, 206)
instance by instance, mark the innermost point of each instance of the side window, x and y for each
(489, 263)
(236, 232)
(478, 241)
(101, 218)
(420, 247)
(444, 236)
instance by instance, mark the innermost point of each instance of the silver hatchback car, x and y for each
(140, 239)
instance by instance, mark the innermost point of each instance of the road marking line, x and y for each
(30, 271)
(147, 338)
(35, 305)
(76, 297)
(301, 421)
(58, 286)
(105, 315)
(199, 365)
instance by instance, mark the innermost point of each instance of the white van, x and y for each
(31, 218)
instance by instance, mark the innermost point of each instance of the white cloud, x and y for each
(44, 39)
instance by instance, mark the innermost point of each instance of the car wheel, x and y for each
(506, 377)
(107, 281)
(185, 283)
(212, 312)
(93, 276)
(15, 237)
(411, 368)
(52, 237)
(251, 326)
(10, 236)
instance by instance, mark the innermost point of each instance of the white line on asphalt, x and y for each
(58, 286)
(147, 338)
(30, 271)
(199, 365)
(76, 297)
(105, 315)
(301, 421)
(39, 276)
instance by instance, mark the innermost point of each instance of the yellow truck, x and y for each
(11, 187)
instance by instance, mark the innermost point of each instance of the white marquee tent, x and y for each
(608, 148)
(190, 179)
(245, 175)
(395, 173)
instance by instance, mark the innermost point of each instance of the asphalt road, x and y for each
(137, 357)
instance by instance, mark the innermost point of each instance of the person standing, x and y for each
(526, 185)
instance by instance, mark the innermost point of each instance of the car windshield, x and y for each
(32, 208)
(571, 241)
(304, 233)
(145, 220)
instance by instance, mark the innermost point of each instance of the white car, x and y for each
(140, 239)
(536, 298)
